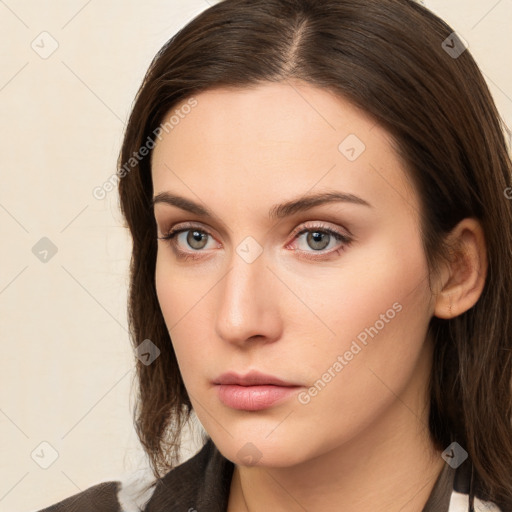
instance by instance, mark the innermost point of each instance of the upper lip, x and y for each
(253, 378)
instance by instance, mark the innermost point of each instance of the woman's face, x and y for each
(331, 296)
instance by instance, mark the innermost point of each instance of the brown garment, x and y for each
(202, 484)
(98, 498)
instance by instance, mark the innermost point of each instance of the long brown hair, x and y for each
(390, 58)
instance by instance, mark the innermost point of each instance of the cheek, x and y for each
(184, 299)
(168, 289)
(178, 290)
(380, 286)
(379, 297)
(380, 312)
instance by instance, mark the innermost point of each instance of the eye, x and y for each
(194, 237)
(318, 238)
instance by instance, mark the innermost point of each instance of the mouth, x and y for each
(254, 391)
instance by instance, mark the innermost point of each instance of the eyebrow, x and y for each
(277, 211)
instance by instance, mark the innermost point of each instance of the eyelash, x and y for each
(185, 256)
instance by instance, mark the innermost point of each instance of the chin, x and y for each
(257, 450)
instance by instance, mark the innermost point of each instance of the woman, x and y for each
(317, 196)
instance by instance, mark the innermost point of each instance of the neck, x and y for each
(400, 476)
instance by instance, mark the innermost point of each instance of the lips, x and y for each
(254, 391)
(253, 378)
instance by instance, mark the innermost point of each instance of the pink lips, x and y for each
(253, 391)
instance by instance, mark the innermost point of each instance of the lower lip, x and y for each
(253, 398)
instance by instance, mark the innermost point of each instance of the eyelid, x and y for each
(183, 226)
(321, 225)
(309, 226)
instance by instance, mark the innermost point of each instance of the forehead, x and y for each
(273, 141)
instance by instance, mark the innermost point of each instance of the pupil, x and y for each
(317, 239)
(197, 237)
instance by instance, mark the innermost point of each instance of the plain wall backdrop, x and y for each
(69, 71)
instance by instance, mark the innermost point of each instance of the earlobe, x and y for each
(466, 272)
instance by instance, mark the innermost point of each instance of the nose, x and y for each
(248, 303)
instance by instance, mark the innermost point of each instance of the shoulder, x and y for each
(101, 497)
(201, 483)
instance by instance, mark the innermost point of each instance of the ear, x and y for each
(463, 279)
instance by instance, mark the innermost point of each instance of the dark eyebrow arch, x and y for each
(277, 211)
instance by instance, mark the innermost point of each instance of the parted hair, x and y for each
(404, 66)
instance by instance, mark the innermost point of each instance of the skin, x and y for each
(362, 442)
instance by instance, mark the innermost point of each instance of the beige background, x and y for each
(66, 371)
